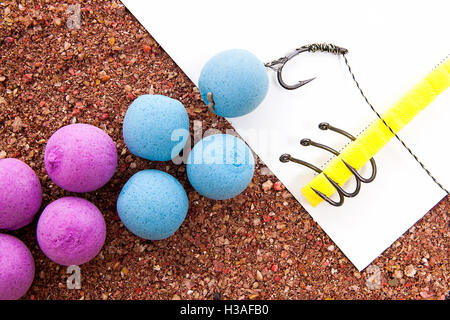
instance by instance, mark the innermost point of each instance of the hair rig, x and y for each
(278, 64)
(234, 82)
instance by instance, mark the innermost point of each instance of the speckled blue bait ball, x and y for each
(156, 127)
(220, 166)
(152, 204)
(237, 80)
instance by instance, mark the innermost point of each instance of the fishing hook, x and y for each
(278, 64)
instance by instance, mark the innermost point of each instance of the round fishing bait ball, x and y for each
(16, 268)
(220, 166)
(80, 158)
(20, 194)
(156, 127)
(152, 204)
(237, 80)
(71, 231)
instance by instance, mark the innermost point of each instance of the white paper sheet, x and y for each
(392, 45)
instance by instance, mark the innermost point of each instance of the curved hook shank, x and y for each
(290, 86)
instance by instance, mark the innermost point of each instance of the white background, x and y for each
(392, 45)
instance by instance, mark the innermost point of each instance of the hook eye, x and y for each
(285, 158)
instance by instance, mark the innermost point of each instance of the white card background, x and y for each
(392, 45)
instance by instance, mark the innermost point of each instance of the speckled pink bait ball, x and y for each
(71, 231)
(16, 268)
(20, 194)
(80, 158)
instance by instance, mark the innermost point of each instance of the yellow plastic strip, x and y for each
(375, 137)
